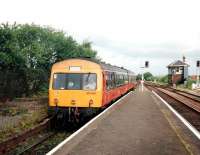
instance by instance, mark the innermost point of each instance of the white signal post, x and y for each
(197, 77)
(146, 66)
(198, 72)
(142, 82)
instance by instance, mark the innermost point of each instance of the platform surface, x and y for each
(137, 127)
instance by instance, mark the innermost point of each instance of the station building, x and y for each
(177, 71)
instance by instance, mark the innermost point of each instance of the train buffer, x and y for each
(138, 124)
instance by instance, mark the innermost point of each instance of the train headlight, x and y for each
(56, 101)
(73, 102)
(90, 102)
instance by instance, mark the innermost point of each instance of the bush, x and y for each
(189, 83)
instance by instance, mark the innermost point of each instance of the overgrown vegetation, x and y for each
(162, 79)
(27, 53)
(19, 118)
(189, 83)
(147, 76)
(13, 111)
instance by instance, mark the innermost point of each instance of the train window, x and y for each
(73, 81)
(126, 79)
(129, 77)
(59, 81)
(89, 81)
(118, 81)
(113, 80)
(110, 80)
(121, 79)
(67, 81)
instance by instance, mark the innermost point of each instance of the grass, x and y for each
(13, 111)
(27, 120)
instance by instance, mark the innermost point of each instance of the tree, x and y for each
(148, 76)
(27, 53)
(139, 77)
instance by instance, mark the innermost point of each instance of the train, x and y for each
(82, 86)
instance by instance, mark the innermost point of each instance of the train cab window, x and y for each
(73, 81)
(89, 81)
(63, 81)
(59, 81)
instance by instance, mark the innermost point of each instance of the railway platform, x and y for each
(139, 124)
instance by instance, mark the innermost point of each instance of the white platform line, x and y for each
(187, 124)
(83, 127)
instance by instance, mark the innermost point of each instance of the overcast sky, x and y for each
(125, 33)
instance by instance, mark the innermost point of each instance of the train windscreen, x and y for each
(74, 81)
(89, 81)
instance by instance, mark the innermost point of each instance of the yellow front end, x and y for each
(72, 96)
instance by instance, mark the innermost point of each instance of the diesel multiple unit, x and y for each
(80, 86)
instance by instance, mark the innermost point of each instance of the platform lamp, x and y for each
(198, 71)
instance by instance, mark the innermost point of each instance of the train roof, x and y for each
(107, 67)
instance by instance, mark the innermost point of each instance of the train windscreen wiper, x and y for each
(88, 76)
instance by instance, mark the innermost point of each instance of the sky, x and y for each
(124, 32)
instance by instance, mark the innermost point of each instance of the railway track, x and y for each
(187, 104)
(11, 143)
(30, 149)
(48, 141)
(194, 97)
(42, 133)
(190, 95)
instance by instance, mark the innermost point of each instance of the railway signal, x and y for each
(198, 72)
(146, 64)
(198, 63)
